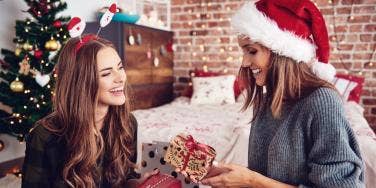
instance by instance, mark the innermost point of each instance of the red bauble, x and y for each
(57, 24)
(38, 54)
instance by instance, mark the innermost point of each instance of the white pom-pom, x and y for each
(324, 71)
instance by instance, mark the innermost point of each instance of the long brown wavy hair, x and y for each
(73, 118)
(287, 82)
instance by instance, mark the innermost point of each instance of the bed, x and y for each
(224, 126)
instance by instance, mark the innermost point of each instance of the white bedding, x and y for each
(366, 139)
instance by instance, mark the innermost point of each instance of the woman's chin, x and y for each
(116, 101)
(260, 82)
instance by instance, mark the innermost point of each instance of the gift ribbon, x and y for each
(192, 146)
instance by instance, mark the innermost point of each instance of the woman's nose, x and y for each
(120, 77)
(246, 62)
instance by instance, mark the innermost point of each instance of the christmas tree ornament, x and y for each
(131, 39)
(38, 53)
(57, 24)
(1, 145)
(42, 80)
(163, 51)
(17, 86)
(17, 51)
(169, 47)
(148, 53)
(24, 67)
(139, 39)
(52, 45)
(27, 46)
(156, 61)
(52, 55)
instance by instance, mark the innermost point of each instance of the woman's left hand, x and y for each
(235, 176)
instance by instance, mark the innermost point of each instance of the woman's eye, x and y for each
(106, 74)
(253, 52)
(122, 67)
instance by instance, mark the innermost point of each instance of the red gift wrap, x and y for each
(161, 181)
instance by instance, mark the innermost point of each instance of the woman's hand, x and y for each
(229, 175)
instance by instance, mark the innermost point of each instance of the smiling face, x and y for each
(255, 57)
(111, 77)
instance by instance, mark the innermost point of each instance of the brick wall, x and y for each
(204, 40)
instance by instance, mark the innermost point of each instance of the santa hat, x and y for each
(292, 28)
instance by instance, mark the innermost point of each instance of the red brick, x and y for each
(369, 101)
(370, 28)
(341, 29)
(365, 9)
(358, 56)
(370, 83)
(365, 37)
(338, 56)
(341, 65)
(360, 19)
(327, 11)
(355, 28)
(357, 65)
(177, 2)
(361, 47)
(344, 10)
(175, 10)
(366, 93)
(352, 38)
(349, 2)
(345, 46)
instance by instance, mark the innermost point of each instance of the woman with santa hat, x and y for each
(299, 135)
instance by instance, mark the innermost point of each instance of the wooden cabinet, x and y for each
(151, 85)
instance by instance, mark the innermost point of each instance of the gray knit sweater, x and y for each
(311, 145)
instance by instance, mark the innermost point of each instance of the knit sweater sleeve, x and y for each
(334, 158)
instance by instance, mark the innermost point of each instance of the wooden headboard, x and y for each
(150, 85)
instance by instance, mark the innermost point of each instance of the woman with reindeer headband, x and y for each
(90, 138)
(299, 134)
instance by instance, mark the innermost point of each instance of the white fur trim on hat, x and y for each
(261, 29)
(323, 70)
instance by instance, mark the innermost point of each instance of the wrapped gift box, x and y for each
(191, 157)
(153, 157)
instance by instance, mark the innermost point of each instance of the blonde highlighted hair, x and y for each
(287, 81)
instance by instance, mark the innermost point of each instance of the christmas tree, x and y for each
(27, 73)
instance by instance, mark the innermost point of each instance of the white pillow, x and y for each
(213, 90)
(344, 87)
